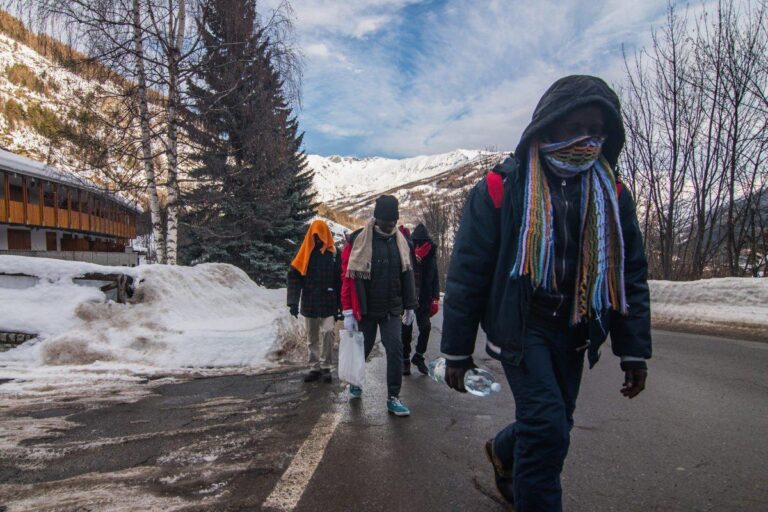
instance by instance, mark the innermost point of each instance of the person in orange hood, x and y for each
(314, 282)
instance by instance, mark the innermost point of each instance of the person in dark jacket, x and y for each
(378, 292)
(549, 260)
(424, 254)
(314, 280)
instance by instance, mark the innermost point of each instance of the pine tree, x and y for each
(253, 194)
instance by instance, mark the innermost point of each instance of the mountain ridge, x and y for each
(350, 185)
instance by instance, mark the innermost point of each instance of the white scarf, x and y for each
(362, 252)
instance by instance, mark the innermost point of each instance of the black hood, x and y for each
(420, 234)
(570, 93)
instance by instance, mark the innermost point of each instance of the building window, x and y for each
(63, 192)
(50, 241)
(19, 240)
(33, 192)
(48, 199)
(17, 193)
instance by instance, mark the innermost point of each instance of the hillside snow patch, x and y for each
(207, 316)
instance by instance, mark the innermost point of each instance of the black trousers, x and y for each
(425, 327)
(545, 388)
(389, 327)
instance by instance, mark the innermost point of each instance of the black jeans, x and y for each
(390, 338)
(425, 327)
(545, 387)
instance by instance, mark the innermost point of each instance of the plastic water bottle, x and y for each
(477, 381)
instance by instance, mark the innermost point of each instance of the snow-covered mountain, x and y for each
(351, 185)
(342, 177)
(49, 106)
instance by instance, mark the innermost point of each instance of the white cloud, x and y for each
(353, 18)
(460, 73)
(369, 25)
(318, 50)
(339, 132)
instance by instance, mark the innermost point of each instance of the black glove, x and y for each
(294, 309)
(454, 373)
(339, 316)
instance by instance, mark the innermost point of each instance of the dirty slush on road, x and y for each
(219, 441)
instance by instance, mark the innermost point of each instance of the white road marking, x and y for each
(288, 491)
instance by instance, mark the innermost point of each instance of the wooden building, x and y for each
(48, 212)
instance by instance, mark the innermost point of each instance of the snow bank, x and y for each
(210, 315)
(734, 307)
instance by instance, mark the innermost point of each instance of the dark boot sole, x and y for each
(488, 449)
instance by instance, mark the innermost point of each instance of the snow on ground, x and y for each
(732, 307)
(180, 318)
(212, 318)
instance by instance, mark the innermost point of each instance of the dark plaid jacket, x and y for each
(318, 291)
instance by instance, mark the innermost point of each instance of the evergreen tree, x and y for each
(253, 191)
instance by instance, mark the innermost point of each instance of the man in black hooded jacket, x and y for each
(549, 260)
(428, 289)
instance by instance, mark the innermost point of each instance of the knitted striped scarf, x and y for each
(600, 271)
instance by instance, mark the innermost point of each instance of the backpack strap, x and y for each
(495, 184)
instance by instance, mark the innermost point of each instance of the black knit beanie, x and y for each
(386, 209)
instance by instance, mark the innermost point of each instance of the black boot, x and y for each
(312, 376)
(406, 367)
(502, 476)
(418, 360)
(327, 377)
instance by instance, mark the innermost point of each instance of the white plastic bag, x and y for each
(352, 357)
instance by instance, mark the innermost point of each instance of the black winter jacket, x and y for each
(480, 290)
(425, 271)
(389, 290)
(555, 305)
(319, 291)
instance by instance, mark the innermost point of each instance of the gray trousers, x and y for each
(320, 334)
(393, 346)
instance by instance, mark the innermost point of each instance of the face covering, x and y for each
(573, 156)
(385, 233)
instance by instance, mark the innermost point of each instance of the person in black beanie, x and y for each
(378, 290)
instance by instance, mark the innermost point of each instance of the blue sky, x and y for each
(402, 78)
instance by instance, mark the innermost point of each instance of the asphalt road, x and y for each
(695, 440)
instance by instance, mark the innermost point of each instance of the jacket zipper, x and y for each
(564, 223)
(565, 226)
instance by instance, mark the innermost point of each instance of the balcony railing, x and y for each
(52, 217)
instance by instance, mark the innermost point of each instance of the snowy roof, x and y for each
(28, 167)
